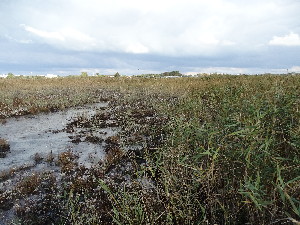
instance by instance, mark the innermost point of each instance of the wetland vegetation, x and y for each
(205, 150)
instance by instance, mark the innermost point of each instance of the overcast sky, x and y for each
(139, 36)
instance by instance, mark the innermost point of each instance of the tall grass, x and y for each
(231, 156)
(220, 149)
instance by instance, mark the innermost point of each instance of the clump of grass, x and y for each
(67, 161)
(9, 173)
(37, 158)
(113, 156)
(39, 200)
(3, 121)
(113, 141)
(4, 148)
(6, 202)
(50, 158)
(29, 185)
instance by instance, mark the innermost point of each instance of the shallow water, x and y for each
(29, 135)
(46, 135)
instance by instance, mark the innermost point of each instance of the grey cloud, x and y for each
(156, 35)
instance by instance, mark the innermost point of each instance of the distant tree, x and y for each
(117, 74)
(84, 74)
(97, 74)
(10, 75)
(172, 73)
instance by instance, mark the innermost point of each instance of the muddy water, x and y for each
(37, 134)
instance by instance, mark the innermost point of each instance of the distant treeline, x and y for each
(150, 75)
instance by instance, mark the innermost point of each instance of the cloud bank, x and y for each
(291, 39)
(71, 35)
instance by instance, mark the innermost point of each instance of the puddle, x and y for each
(34, 134)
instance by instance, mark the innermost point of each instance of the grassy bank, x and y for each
(212, 150)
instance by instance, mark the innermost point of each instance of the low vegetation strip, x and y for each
(211, 150)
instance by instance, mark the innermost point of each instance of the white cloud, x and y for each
(137, 48)
(228, 43)
(291, 39)
(44, 34)
(167, 27)
(207, 39)
(70, 33)
(67, 37)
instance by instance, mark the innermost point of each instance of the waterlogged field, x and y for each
(210, 150)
